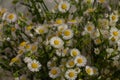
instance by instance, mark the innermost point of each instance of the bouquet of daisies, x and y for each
(74, 40)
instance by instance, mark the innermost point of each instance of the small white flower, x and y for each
(97, 41)
(71, 74)
(41, 30)
(62, 27)
(113, 40)
(89, 70)
(114, 32)
(67, 34)
(63, 6)
(80, 61)
(74, 52)
(109, 50)
(34, 66)
(59, 21)
(96, 51)
(10, 17)
(27, 59)
(54, 72)
(113, 17)
(89, 27)
(95, 34)
(56, 42)
(70, 63)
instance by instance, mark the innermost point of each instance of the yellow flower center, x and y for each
(14, 59)
(23, 44)
(67, 33)
(71, 63)
(41, 31)
(27, 46)
(88, 70)
(29, 28)
(34, 65)
(20, 51)
(11, 16)
(56, 42)
(73, 21)
(13, 29)
(115, 33)
(113, 17)
(64, 6)
(34, 47)
(61, 29)
(89, 1)
(80, 60)
(74, 53)
(54, 71)
(98, 41)
(113, 39)
(71, 74)
(89, 28)
(59, 21)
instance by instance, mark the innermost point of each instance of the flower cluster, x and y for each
(75, 40)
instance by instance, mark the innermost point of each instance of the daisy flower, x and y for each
(63, 6)
(113, 17)
(41, 30)
(95, 34)
(56, 42)
(11, 17)
(67, 34)
(89, 70)
(97, 41)
(28, 29)
(96, 51)
(71, 74)
(62, 27)
(28, 47)
(114, 32)
(54, 72)
(70, 63)
(59, 22)
(74, 52)
(89, 27)
(34, 66)
(113, 40)
(34, 47)
(80, 61)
